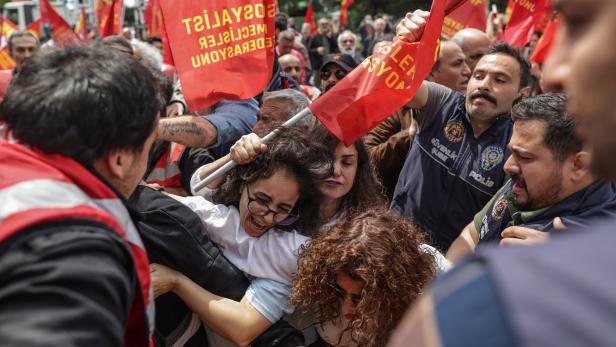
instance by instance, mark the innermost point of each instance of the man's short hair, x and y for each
(296, 100)
(286, 35)
(17, 34)
(560, 136)
(346, 33)
(118, 43)
(504, 48)
(82, 103)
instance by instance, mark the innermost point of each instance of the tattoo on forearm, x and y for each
(188, 127)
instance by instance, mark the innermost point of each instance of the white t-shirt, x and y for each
(273, 255)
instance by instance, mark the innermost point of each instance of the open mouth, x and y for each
(258, 226)
(518, 185)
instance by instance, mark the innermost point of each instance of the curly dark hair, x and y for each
(377, 247)
(296, 153)
(367, 190)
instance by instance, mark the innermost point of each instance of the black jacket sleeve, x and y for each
(66, 284)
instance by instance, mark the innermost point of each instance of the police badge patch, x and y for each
(499, 208)
(454, 131)
(491, 157)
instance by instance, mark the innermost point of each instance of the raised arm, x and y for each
(410, 29)
(191, 131)
(244, 151)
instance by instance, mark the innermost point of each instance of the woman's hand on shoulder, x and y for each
(163, 279)
(247, 148)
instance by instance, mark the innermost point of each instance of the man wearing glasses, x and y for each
(335, 67)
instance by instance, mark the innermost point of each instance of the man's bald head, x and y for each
(450, 69)
(291, 66)
(474, 44)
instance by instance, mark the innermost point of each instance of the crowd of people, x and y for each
(478, 214)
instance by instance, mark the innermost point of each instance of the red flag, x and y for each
(309, 18)
(382, 84)
(471, 14)
(7, 27)
(526, 18)
(110, 17)
(99, 7)
(61, 32)
(344, 6)
(544, 46)
(6, 62)
(81, 27)
(156, 27)
(153, 18)
(35, 28)
(221, 49)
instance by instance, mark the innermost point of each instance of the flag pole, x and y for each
(231, 164)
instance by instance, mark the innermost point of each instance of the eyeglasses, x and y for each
(259, 208)
(340, 293)
(326, 73)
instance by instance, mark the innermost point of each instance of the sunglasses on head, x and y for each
(325, 74)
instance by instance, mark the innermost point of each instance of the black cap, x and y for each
(345, 61)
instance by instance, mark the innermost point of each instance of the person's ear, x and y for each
(580, 165)
(118, 162)
(524, 93)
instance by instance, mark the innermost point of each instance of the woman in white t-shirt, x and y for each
(273, 190)
(359, 278)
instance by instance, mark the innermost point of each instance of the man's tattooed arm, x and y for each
(187, 130)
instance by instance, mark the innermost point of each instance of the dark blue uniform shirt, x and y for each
(449, 174)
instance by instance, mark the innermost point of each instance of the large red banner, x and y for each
(382, 84)
(61, 32)
(222, 49)
(471, 14)
(527, 16)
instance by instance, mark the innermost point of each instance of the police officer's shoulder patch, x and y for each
(491, 156)
(454, 131)
(498, 210)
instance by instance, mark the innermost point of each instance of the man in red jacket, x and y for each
(73, 268)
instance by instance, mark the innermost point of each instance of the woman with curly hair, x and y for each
(359, 278)
(256, 208)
